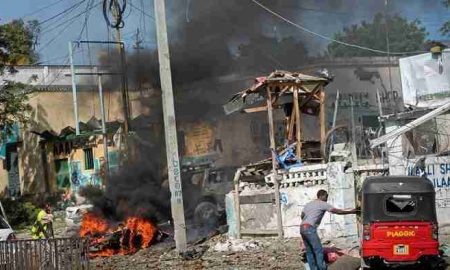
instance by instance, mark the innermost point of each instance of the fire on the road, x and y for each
(125, 238)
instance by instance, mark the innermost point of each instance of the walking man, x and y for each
(312, 215)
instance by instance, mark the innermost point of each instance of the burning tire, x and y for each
(206, 214)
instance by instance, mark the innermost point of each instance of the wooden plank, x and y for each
(298, 126)
(256, 109)
(260, 109)
(274, 163)
(291, 127)
(310, 96)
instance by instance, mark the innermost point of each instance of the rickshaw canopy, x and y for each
(398, 198)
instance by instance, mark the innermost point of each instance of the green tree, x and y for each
(17, 40)
(445, 29)
(404, 36)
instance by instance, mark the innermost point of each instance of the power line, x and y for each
(86, 18)
(143, 12)
(62, 12)
(325, 37)
(39, 10)
(70, 20)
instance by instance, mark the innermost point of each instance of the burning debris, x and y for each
(124, 238)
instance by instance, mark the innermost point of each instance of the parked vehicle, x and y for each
(6, 232)
(399, 224)
(206, 187)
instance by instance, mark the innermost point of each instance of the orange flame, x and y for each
(92, 225)
(134, 234)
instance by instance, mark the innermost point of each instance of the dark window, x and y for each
(88, 159)
(400, 204)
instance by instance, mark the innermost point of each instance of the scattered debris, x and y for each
(237, 245)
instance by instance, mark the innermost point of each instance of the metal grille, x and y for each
(50, 254)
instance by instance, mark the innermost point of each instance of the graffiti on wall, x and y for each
(80, 178)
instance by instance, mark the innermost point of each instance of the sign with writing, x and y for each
(437, 169)
(425, 79)
(395, 234)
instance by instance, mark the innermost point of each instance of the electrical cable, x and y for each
(326, 37)
(141, 10)
(70, 20)
(62, 12)
(39, 10)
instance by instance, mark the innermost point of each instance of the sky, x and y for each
(56, 33)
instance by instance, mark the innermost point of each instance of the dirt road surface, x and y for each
(272, 254)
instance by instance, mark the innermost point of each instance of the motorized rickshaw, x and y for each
(399, 224)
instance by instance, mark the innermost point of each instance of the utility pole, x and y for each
(74, 89)
(115, 13)
(173, 160)
(104, 134)
(137, 46)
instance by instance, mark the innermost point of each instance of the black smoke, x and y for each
(136, 190)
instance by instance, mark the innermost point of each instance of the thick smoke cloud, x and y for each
(210, 38)
(137, 190)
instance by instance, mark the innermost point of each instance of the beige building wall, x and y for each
(53, 111)
(3, 179)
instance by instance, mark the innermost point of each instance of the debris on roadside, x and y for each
(237, 245)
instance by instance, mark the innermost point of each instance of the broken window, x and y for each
(400, 204)
(88, 159)
(422, 140)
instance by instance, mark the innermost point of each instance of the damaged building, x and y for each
(415, 144)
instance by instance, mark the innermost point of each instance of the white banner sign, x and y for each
(425, 79)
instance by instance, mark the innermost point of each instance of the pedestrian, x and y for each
(43, 226)
(312, 215)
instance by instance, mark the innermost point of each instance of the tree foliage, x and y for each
(13, 104)
(17, 40)
(445, 29)
(404, 36)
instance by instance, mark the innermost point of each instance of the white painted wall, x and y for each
(437, 169)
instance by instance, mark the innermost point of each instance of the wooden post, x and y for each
(322, 115)
(298, 125)
(291, 127)
(274, 163)
(173, 160)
